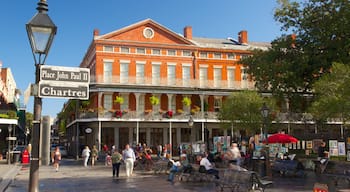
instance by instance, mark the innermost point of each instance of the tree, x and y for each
(333, 95)
(243, 109)
(294, 62)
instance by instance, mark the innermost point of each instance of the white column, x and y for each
(137, 98)
(99, 135)
(170, 99)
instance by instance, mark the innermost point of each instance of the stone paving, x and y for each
(72, 176)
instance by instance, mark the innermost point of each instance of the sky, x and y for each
(76, 20)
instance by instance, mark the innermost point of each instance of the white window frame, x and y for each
(171, 77)
(107, 73)
(107, 101)
(140, 78)
(217, 55)
(126, 78)
(156, 74)
(231, 75)
(231, 56)
(186, 53)
(141, 50)
(108, 48)
(203, 55)
(124, 50)
(156, 50)
(171, 52)
(217, 79)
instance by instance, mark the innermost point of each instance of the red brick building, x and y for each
(140, 75)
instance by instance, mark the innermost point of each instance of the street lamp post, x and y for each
(41, 31)
(9, 145)
(206, 131)
(265, 113)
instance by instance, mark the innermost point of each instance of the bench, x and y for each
(288, 167)
(196, 175)
(338, 177)
(235, 180)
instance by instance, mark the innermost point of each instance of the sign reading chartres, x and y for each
(58, 73)
(59, 90)
(64, 82)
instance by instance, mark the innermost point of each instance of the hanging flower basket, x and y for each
(186, 101)
(119, 99)
(118, 114)
(169, 114)
(154, 100)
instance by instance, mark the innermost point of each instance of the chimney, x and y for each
(294, 37)
(243, 37)
(96, 32)
(188, 32)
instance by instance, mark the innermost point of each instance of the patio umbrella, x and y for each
(281, 138)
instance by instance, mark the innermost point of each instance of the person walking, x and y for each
(86, 154)
(94, 154)
(116, 160)
(56, 158)
(234, 154)
(129, 158)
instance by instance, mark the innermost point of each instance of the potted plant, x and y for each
(154, 100)
(169, 114)
(119, 99)
(186, 101)
(118, 114)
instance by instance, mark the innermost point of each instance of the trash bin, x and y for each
(16, 156)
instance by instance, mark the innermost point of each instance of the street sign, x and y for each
(64, 90)
(64, 74)
(11, 138)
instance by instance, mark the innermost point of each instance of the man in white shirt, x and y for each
(208, 166)
(129, 158)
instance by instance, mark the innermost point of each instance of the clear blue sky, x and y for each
(76, 20)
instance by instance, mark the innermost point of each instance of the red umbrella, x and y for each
(281, 138)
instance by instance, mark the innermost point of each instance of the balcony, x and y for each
(147, 115)
(176, 83)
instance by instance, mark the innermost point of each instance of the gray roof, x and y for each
(228, 43)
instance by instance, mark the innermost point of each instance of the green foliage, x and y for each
(12, 114)
(186, 101)
(119, 99)
(333, 94)
(154, 100)
(243, 109)
(291, 66)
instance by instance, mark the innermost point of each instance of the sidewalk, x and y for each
(8, 173)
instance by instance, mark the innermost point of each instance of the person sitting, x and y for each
(208, 166)
(174, 169)
(187, 168)
(322, 153)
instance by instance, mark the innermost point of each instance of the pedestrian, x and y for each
(56, 158)
(174, 169)
(116, 160)
(159, 151)
(234, 154)
(94, 154)
(86, 154)
(129, 159)
(208, 166)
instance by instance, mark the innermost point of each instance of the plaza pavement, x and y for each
(72, 176)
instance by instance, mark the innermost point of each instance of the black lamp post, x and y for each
(206, 131)
(9, 145)
(265, 113)
(41, 31)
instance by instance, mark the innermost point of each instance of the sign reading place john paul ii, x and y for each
(58, 73)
